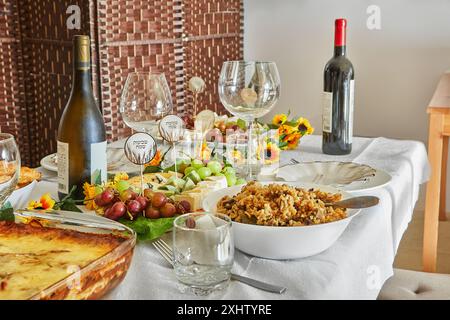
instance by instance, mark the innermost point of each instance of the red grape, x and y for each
(148, 193)
(190, 223)
(116, 211)
(142, 200)
(99, 200)
(152, 213)
(134, 207)
(128, 195)
(159, 200)
(186, 205)
(107, 196)
(168, 210)
(179, 208)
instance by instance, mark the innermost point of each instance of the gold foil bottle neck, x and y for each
(82, 52)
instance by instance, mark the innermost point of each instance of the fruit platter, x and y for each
(166, 194)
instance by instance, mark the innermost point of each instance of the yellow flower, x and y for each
(304, 126)
(34, 205)
(120, 176)
(271, 153)
(292, 140)
(279, 119)
(45, 202)
(90, 192)
(285, 130)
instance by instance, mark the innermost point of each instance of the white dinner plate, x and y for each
(348, 176)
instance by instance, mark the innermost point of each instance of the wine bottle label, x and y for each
(97, 166)
(327, 113)
(63, 166)
(98, 162)
(350, 109)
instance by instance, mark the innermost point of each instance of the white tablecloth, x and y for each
(355, 267)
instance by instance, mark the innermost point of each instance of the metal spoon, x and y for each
(356, 202)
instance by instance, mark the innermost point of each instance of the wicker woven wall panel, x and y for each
(136, 35)
(214, 33)
(13, 117)
(204, 58)
(47, 64)
(117, 62)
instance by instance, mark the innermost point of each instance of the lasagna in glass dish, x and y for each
(62, 255)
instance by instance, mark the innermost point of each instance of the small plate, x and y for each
(348, 176)
(49, 162)
(117, 162)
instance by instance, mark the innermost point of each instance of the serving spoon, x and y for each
(355, 202)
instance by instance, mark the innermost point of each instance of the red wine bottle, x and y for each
(337, 97)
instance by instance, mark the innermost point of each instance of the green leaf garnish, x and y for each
(149, 229)
(7, 212)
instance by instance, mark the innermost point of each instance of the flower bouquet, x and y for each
(290, 131)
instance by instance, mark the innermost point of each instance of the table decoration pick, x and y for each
(171, 129)
(196, 86)
(203, 122)
(140, 148)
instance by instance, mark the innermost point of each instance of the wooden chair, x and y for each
(439, 132)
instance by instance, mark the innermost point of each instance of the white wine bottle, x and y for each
(81, 133)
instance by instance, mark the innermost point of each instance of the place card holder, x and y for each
(140, 148)
(172, 129)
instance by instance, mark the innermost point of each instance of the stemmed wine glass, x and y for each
(249, 90)
(9, 166)
(144, 101)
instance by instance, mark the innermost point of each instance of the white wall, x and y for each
(396, 68)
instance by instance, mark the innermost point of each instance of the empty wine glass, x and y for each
(144, 101)
(9, 166)
(249, 90)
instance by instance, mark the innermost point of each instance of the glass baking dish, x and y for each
(101, 275)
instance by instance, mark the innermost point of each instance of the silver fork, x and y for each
(289, 163)
(166, 252)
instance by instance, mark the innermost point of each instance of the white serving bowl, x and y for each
(282, 243)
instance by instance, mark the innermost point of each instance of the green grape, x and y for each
(204, 172)
(196, 164)
(122, 185)
(231, 179)
(187, 170)
(240, 181)
(220, 174)
(229, 170)
(215, 166)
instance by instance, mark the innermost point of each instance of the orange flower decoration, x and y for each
(279, 119)
(285, 130)
(156, 161)
(89, 194)
(292, 140)
(45, 202)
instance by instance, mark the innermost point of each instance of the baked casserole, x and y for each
(34, 258)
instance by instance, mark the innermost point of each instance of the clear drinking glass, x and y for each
(203, 252)
(9, 166)
(249, 90)
(144, 101)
